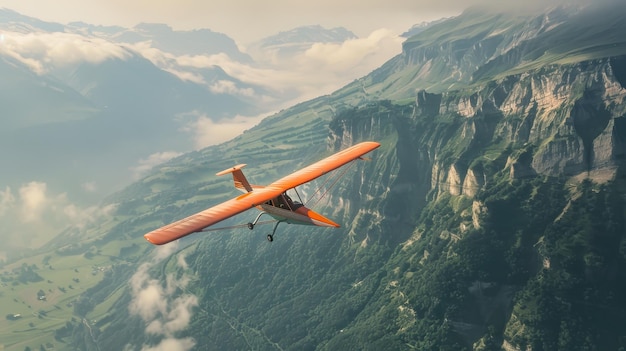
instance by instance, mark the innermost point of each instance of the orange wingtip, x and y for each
(157, 239)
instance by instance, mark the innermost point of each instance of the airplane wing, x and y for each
(324, 166)
(210, 216)
(218, 213)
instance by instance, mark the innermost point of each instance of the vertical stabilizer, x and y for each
(241, 183)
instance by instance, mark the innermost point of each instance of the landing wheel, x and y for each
(270, 237)
(250, 226)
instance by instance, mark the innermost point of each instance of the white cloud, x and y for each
(42, 52)
(188, 68)
(355, 52)
(187, 76)
(89, 187)
(164, 60)
(79, 217)
(287, 79)
(267, 77)
(172, 344)
(7, 200)
(148, 302)
(206, 61)
(34, 209)
(163, 310)
(145, 165)
(229, 87)
(175, 318)
(206, 132)
(322, 69)
(180, 260)
(33, 201)
(164, 251)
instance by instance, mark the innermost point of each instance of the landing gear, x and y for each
(270, 237)
(251, 224)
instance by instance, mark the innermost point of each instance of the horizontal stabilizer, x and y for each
(231, 170)
(241, 183)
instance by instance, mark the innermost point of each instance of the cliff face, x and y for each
(571, 116)
(486, 166)
(476, 208)
(561, 120)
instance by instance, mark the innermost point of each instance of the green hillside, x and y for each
(493, 216)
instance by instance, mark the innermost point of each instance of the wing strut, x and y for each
(246, 225)
(335, 180)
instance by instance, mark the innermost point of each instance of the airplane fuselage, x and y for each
(301, 215)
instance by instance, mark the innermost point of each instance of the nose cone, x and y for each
(316, 218)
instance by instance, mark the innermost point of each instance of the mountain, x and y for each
(16, 22)
(163, 37)
(58, 102)
(492, 217)
(417, 28)
(308, 34)
(298, 40)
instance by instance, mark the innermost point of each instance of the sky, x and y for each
(244, 20)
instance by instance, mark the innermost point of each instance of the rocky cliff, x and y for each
(562, 119)
(487, 166)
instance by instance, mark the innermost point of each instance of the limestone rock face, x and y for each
(561, 119)
(474, 181)
(572, 116)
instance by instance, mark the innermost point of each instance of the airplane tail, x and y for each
(241, 183)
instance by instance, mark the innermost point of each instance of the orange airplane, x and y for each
(272, 199)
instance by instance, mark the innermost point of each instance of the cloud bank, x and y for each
(146, 164)
(32, 214)
(42, 52)
(271, 83)
(162, 307)
(206, 132)
(318, 70)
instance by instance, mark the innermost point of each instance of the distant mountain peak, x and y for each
(15, 21)
(154, 27)
(182, 42)
(308, 34)
(419, 27)
(92, 28)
